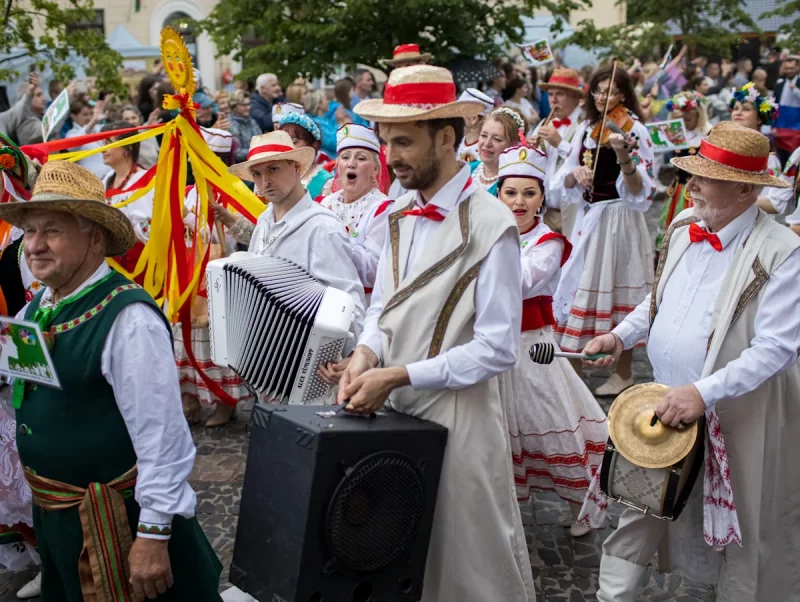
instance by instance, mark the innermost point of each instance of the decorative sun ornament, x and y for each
(177, 62)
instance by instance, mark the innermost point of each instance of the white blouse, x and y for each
(140, 212)
(541, 261)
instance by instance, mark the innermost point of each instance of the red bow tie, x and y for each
(557, 123)
(429, 211)
(698, 234)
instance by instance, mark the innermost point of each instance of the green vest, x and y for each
(77, 435)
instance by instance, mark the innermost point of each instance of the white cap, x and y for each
(357, 136)
(474, 95)
(284, 108)
(522, 162)
(219, 141)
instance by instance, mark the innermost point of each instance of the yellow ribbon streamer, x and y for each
(73, 156)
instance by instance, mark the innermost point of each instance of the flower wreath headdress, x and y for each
(766, 106)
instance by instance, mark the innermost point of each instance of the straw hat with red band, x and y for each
(563, 79)
(418, 93)
(732, 153)
(273, 146)
(407, 53)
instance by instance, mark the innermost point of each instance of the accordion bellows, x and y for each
(274, 325)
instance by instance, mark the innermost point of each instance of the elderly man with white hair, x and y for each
(108, 455)
(722, 331)
(268, 92)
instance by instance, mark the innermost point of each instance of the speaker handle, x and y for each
(341, 411)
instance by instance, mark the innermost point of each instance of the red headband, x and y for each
(423, 93)
(269, 148)
(732, 159)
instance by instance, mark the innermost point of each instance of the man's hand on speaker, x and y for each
(362, 359)
(368, 392)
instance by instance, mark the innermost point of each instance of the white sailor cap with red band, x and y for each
(522, 162)
(219, 141)
(357, 136)
(474, 95)
(284, 108)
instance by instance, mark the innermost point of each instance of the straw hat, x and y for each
(273, 146)
(407, 53)
(418, 93)
(563, 79)
(68, 187)
(732, 153)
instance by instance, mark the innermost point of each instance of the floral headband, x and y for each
(511, 113)
(684, 102)
(304, 121)
(766, 106)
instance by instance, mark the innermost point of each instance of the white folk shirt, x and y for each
(541, 262)
(784, 200)
(554, 153)
(498, 301)
(312, 237)
(679, 337)
(150, 403)
(366, 222)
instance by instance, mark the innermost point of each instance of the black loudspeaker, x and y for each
(336, 509)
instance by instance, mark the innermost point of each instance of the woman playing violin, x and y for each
(611, 176)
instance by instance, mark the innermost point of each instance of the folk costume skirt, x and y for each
(557, 429)
(617, 276)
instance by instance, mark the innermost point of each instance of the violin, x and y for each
(620, 117)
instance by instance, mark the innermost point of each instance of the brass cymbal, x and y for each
(656, 446)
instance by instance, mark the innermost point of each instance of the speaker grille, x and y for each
(374, 514)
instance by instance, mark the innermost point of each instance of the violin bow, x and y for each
(611, 83)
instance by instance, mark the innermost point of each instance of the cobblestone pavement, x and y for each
(565, 569)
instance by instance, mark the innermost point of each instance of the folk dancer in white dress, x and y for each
(502, 128)
(554, 134)
(194, 389)
(558, 430)
(468, 149)
(610, 270)
(445, 319)
(294, 226)
(723, 331)
(360, 205)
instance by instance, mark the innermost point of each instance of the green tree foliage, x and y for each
(315, 37)
(788, 8)
(60, 42)
(711, 25)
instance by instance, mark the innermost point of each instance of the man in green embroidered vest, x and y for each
(107, 457)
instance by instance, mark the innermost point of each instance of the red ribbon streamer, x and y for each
(731, 159)
(140, 183)
(55, 146)
(422, 93)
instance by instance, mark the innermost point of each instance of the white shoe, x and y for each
(577, 529)
(32, 589)
(618, 580)
(613, 386)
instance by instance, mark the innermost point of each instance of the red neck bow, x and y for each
(429, 211)
(557, 123)
(698, 234)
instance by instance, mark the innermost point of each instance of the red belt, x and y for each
(537, 312)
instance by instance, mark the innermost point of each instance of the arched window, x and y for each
(182, 23)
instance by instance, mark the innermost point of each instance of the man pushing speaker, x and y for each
(444, 321)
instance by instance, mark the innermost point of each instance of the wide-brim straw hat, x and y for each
(732, 153)
(70, 188)
(563, 79)
(407, 53)
(273, 146)
(418, 93)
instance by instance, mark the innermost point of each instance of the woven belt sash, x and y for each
(103, 563)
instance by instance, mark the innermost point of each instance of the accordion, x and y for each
(274, 325)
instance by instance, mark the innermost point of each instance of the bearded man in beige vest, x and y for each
(724, 330)
(445, 320)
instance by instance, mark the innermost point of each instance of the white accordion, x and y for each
(274, 325)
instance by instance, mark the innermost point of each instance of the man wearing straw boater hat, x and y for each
(444, 320)
(108, 455)
(293, 226)
(407, 55)
(723, 331)
(554, 134)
